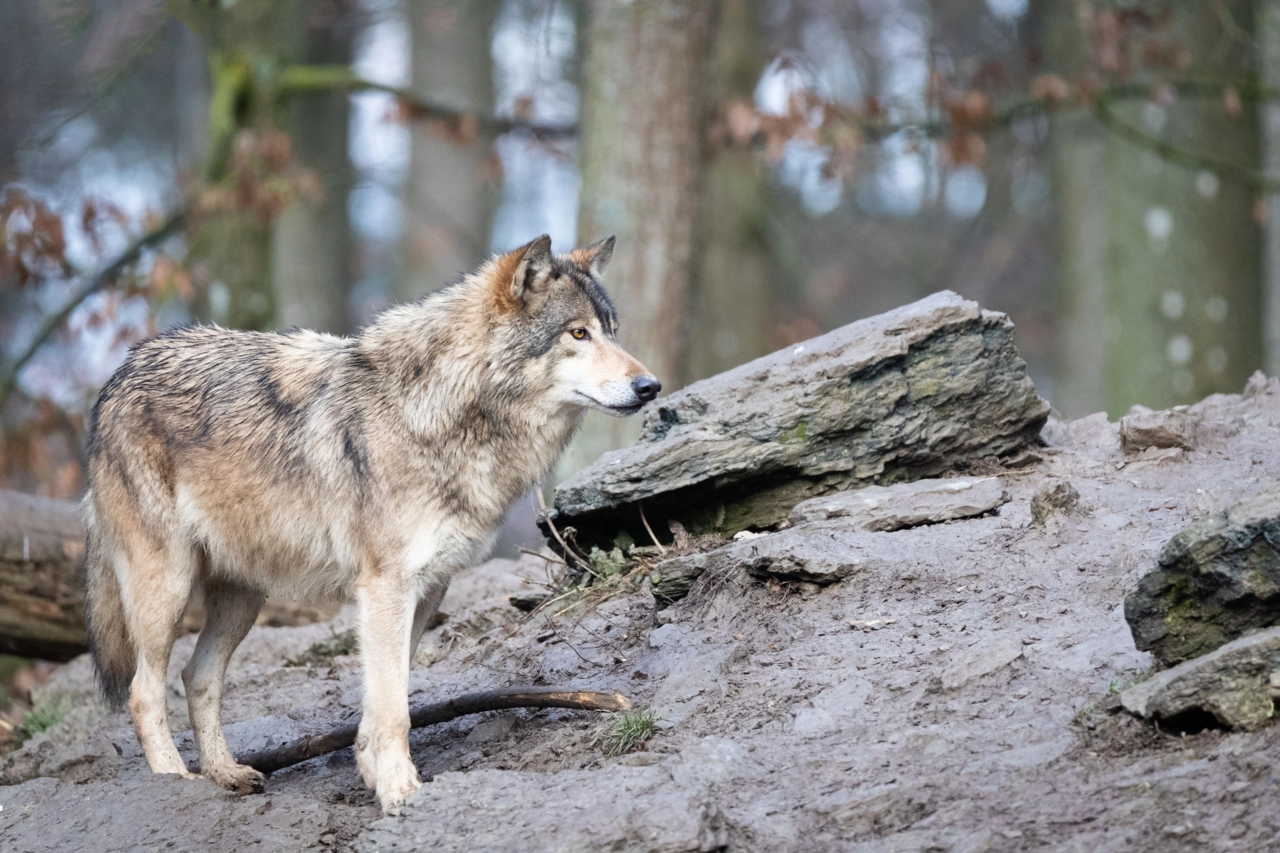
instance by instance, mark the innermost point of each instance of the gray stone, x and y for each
(980, 661)
(1213, 582)
(897, 507)
(1170, 428)
(672, 579)
(931, 387)
(1052, 495)
(1232, 683)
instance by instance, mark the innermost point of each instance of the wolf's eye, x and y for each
(580, 334)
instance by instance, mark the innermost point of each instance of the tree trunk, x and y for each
(1268, 34)
(311, 245)
(449, 194)
(645, 77)
(1161, 288)
(731, 305)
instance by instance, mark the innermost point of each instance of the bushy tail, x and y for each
(114, 657)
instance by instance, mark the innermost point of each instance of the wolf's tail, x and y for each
(114, 657)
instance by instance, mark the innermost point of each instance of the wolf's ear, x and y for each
(532, 268)
(595, 257)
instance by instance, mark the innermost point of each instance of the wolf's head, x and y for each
(565, 326)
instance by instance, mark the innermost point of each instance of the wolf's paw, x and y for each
(397, 779)
(237, 778)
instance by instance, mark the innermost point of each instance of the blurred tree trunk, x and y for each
(1161, 264)
(311, 246)
(450, 196)
(646, 81)
(1268, 33)
(1079, 386)
(733, 298)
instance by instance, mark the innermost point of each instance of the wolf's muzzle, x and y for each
(646, 387)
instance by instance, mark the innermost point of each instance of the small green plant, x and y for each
(626, 730)
(606, 564)
(1119, 686)
(38, 720)
(1084, 713)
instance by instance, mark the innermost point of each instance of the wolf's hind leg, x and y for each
(231, 609)
(158, 588)
(428, 606)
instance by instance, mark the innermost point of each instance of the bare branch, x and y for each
(270, 760)
(297, 79)
(104, 277)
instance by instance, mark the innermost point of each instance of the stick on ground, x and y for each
(271, 760)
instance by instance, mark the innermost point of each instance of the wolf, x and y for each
(368, 469)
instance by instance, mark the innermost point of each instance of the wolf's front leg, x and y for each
(386, 606)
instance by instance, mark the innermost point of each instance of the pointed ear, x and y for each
(526, 268)
(595, 257)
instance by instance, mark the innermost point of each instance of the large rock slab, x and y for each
(1213, 582)
(930, 387)
(897, 507)
(1232, 684)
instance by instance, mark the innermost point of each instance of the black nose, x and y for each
(646, 387)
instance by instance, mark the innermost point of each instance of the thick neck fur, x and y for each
(453, 373)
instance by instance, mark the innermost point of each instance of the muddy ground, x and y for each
(956, 693)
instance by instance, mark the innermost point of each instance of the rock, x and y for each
(1233, 684)
(1170, 428)
(982, 660)
(886, 508)
(928, 388)
(795, 555)
(1052, 495)
(672, 579)
(1213, 582)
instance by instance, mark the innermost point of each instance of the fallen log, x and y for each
(42, 590)
(304, 749)
(932, 387)
(41, 594)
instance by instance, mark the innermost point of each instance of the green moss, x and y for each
(797, 434)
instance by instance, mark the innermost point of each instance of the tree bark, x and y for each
(731, 305)
(449, 194)
(646, 76)
(1268, 35)
(42, 587)
(311, 245)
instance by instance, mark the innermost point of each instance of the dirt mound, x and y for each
(955, 690)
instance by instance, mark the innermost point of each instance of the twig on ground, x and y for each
(551, 560)
(271, 760)
(661, 548)
(551, 525)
